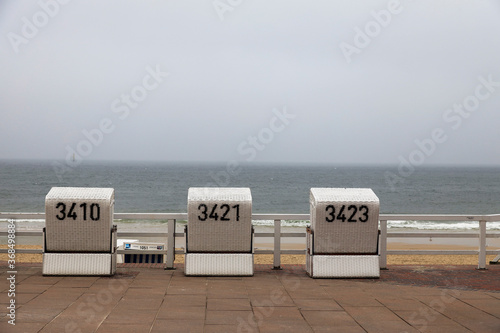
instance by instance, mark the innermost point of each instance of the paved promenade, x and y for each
(146, 298)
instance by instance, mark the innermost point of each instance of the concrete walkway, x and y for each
(146, 298)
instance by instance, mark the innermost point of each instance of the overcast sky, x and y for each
(261, 81)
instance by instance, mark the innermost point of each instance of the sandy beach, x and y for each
(300, 259)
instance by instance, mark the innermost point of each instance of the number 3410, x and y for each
(94, 211)
(348, 214)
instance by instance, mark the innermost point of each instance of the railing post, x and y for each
(482, 245)
(171, 244)
(383, 244)
(277, 245)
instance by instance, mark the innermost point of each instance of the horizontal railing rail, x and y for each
(172, 218)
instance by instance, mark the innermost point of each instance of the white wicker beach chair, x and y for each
(342, 240)
(219, 233)
(79, 236)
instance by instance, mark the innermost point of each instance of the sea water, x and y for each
(149, 187)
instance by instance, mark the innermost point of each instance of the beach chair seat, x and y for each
(342, 240)
(219, 232)
(79, 235)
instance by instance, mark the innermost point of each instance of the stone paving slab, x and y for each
(147, 298)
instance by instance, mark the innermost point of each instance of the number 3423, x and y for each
(350, 214)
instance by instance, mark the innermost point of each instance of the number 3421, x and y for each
(212, 213)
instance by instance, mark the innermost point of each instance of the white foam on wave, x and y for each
(24, 220)
(284, 223)
(436, 225)
(411, 225)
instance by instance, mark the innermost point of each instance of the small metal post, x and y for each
(277, 245)
(171, 244)
(482, 245)
(383, 244)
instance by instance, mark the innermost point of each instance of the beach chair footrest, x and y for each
(343, 266)
(79, 264)
(219, 264)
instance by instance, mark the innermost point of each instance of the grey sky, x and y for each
(226, 76)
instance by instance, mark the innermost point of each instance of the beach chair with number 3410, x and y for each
(79, 235)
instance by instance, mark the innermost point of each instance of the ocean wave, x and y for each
(435, 225)
(24, 220)
(408, 225)
(394, 225)
(284, 223)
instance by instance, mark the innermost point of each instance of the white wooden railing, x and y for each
(170, 235)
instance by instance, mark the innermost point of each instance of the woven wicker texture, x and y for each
(219, 264)
(86, 227)
(79, 264)
(225, 228)
(337, 236)
(343, 266)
